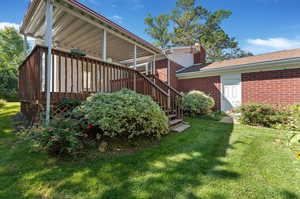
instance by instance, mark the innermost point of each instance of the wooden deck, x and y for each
(78, 77)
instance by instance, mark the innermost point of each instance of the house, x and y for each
(55, 70)
(113, 58)
(272, 78)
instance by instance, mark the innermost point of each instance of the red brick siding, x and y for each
(209, 85)
(174, 68)
(161, 67)
(271, 87)
(200, 56)
(162, 71)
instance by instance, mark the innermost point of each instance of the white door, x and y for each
(231, 92)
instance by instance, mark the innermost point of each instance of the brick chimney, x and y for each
(199, 54)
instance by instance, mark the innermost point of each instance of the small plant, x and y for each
(262, 115)
(123, 113)
(197, 103)
(2, 103)
(61, 137)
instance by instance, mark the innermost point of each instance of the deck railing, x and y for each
(78, 77)
(175, 98)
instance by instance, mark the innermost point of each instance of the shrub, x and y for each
(2, 103)
(292, 123)
(197, 103)
(9, 84)
(61, 137)
(262, 115)
(124, 113)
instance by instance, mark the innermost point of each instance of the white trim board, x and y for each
(260, 67)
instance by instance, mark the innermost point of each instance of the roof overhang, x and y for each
(245, 68)
(76, 26)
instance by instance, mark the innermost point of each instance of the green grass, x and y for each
(210, 160)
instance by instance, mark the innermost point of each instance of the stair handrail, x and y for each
(165, 84)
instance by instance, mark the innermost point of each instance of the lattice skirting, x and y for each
(35, 113)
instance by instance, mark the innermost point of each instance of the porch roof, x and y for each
(77, 26)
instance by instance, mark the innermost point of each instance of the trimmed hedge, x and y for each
(124, 113)
(262, 115)
(197, 103)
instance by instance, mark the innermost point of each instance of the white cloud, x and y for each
(117, 18)
(259, 45)
(137, 4)
(7, 24)
(275, 42)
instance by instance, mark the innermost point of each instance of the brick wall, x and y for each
(161, 67)
(209, 85)
(162, 71)
(272, 87)
(200, 56)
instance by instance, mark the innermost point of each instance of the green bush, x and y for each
(9, 84)
(292, 123)
(262, 115)
(124, 113)
(197, 103)
(61, 137)
(2, 103)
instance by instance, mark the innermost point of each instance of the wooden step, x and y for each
(172, 116)
(175, 121)
(179, 128)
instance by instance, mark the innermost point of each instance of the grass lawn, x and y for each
(210, 160)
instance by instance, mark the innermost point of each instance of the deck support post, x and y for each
(134, 60)
(48, 42)
(104, 46)
(154, 67)
(25, 41)
(147, 69)
(169, 82)
(154, 64)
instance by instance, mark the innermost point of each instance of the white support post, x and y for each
(147, 69)
(48, 41)
(134, 60)
(154, 69)
(169, 72)
(25, 45)
(169, 82)
(104, 46)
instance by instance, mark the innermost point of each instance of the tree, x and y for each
(186, 18)
(195, 24)
(13, 49)
(158, 29)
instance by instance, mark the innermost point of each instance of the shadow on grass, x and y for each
(289, 195)
(172, 168)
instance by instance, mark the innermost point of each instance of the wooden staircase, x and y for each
(175, 109)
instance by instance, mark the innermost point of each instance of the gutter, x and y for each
(257, 65)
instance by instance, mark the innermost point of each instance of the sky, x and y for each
(260, 26)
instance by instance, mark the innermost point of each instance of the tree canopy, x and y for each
(13, 50)
(188, 24)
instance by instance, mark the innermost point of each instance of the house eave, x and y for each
(91, 15)
(252, 67)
